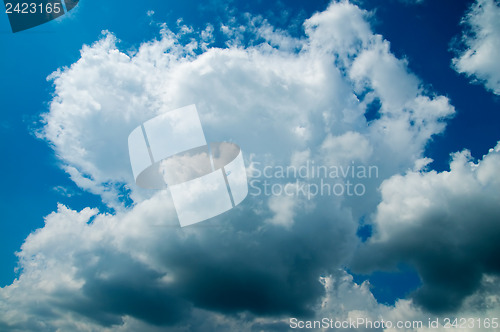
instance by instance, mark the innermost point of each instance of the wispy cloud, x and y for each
(481, 39)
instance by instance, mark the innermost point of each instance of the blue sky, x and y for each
(461, 112)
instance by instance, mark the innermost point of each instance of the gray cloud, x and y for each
(445, 224)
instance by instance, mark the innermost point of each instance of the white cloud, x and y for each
(284, 207)
(482, 41)
(350, 146)
(284, 101)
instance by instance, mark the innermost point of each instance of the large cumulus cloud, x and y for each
(284, 100)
